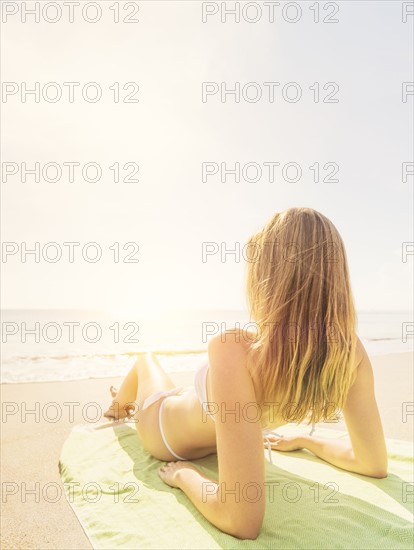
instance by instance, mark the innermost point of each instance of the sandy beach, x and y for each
(31, 446)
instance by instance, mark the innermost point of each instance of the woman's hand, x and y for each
(292, 443)
(170, 472)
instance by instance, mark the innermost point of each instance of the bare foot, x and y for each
(116, 411)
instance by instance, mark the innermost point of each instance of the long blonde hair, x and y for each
(299, 295)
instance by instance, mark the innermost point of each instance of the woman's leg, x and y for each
(152, 378)
(125, 394)
(146, 378)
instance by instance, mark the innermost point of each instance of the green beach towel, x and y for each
(113, 486)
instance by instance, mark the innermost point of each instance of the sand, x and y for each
(31, 447)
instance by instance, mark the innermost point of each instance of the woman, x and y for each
(303, 362)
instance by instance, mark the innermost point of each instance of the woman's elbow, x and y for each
(381, 471)
(381, 474)
(245, 533)
(247, 530)
(246, 524)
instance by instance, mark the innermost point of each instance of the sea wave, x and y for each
(63, 367)
(43, 367)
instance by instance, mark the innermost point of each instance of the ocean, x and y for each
(53, 345)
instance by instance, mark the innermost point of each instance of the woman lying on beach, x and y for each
(304, 361)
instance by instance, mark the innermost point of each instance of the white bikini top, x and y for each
(200, 384)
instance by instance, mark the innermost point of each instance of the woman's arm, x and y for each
(236, 504)
(364, 422)
(201, 490)
(366, 451)
(340, 453)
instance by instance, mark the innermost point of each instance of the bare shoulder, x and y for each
(228, 365)
(361, 355)
(229, 346)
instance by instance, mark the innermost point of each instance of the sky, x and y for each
(170, 133)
